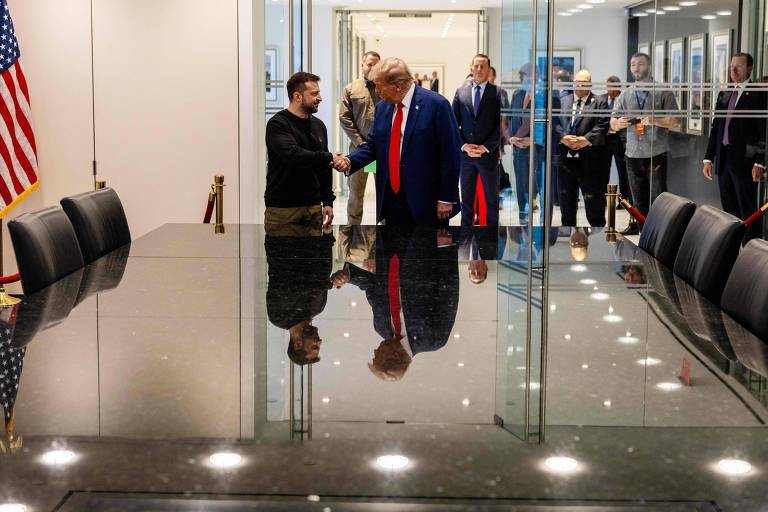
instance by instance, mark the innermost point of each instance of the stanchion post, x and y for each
(101, 184)
(612, 195)
(6, 300)
(218, 184)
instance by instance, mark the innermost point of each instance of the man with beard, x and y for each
(647, 132)
(300, 260)
(299, 175)
(358, 105)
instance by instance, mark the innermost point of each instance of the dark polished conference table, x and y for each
(157, 356)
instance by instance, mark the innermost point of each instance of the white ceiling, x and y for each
(451, 24)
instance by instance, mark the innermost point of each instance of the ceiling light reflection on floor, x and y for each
(578, 268)
(613, 319)
(669, 386)
(561, 464)
(58, 457)
(465, 402)
(225, 460)
(392, 462)
(588, 281)
(734, 466)
(601, 296)
(649, 361)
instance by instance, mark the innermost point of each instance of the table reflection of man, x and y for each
(478, 245)
(413, 291)
(300, 262)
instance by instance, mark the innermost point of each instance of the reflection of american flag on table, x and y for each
(18, 153)
(11, 362)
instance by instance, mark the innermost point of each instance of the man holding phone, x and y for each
(646, 113)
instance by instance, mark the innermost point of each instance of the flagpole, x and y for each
(6, 300)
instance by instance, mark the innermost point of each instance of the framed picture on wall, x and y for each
(659, 55)
(697, 53)
(425, 75)
(676, 75)
(719, 61)
(271, 67)
(563, 59)
(644, 48)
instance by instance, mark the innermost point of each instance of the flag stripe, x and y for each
(21, 117)
(19, 155)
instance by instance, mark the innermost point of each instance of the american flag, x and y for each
(11, 363)
(18, 153)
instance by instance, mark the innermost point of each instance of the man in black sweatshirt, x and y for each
(299, 174)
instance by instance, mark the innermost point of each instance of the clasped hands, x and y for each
(475, 150)
(575, 142)
(341, 163)
(520, 142)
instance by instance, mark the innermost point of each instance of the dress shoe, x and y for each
(632, 229)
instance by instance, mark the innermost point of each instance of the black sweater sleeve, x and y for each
(281, 141)
(326, 178)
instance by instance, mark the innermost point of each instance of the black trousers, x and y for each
(615, 153)
(647, 179)
(488, 171)
(589, 176)
(738, 192)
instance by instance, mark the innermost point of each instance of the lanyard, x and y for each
(641, 106)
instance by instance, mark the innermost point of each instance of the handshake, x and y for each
(341, 163)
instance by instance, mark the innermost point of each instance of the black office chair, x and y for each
(708, 251)
(745, 297)
(99, 221)
(664, 227)
(46, 247)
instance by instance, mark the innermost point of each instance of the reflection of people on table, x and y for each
(579, 242)
(299, 272)
(413, 292)
(358, 245)
(477, 245)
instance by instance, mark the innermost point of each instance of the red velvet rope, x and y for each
(209, 209)
(756, 216)
(10, 279)
(633, 211)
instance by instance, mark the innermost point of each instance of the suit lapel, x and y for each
(467, 99)
(413, 115)
(389, 112)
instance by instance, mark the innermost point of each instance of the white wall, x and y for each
(455, 52)
(602, 35)
(167, 106)
(166, 103)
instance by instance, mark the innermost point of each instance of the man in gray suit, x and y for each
(356, 115)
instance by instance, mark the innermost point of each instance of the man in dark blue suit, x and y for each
(413, 290)
(415, 143)
(477, 107)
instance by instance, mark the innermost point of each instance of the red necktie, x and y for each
(393, 284)
(394, 150)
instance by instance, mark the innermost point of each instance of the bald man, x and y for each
(581, 133)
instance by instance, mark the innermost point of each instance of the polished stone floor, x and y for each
(632, 393)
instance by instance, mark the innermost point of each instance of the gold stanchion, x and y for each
(611, 195)
(218, 184)
(101, 184)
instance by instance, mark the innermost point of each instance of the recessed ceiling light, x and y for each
(613, 319)
(669, 386)
(578, 268)
(585, 367)
(584, 6)
(337, 363)
(723, 13)
(734, 466)
(640, 14)
(392, 462)
(460, 365)
(326, 400)
(650, 11)
(671, 8)
(574, 10)
(628, 340)
(687, 4)
(649, 361)
(565, 14)
(660, 13)
(58, 457)
(225, 459)
(709, 17)
(567, 337)
(607, 403)
(588, 281)
(465, 402)
(353, 304)
(561, 464)
(13, 507)
(595, 1)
